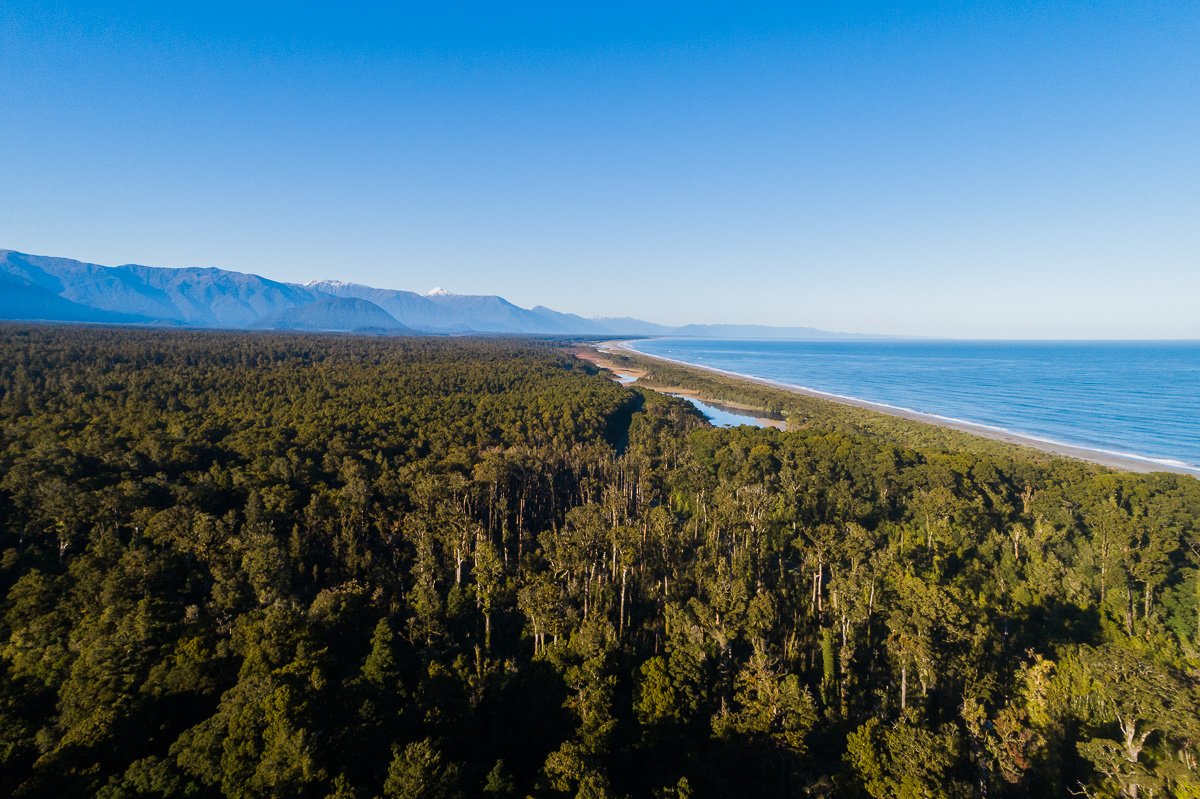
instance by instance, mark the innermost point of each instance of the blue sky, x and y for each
(967, 169)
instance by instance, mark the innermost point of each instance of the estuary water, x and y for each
(1128, 398)
(722, 417)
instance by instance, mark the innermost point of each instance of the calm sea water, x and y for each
(1134, 398)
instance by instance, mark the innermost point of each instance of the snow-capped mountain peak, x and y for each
(333, 284)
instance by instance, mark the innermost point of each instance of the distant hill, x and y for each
(492, 314)
(624, 325)
(572, 323)
(21, 299)
(414, 310)
(197, 297)
(348, 314)
(39, 287)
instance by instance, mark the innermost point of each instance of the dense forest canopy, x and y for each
(322, 566)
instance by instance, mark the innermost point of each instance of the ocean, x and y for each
(1139, 399)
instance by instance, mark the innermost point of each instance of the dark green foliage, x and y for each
(322, 566)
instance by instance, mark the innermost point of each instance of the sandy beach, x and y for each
(596, 356)
(1114, 460)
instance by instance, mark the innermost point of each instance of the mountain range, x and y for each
(44, 288)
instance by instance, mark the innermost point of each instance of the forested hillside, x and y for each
(281, 565)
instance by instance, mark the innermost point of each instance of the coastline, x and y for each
(1115, 460)
(625, 375)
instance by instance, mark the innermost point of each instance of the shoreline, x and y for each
(1115, 460)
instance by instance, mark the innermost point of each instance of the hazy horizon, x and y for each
(1023, 173)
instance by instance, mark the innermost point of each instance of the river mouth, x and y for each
(720, 415)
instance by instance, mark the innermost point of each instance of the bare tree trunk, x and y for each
(621, 620)
(1129, 610)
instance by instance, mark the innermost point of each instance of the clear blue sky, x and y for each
(965, 169)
